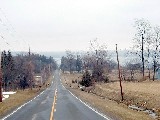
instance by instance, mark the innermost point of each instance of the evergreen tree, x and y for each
(86, 79)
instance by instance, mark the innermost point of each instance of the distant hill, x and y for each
(57, 55)
(48, 54)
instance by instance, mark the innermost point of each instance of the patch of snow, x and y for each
(8, 93)
(6, 96)
(150, 112)
(136, 108)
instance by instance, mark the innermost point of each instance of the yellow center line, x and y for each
(53, 106)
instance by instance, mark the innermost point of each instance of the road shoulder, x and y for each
(113, 109)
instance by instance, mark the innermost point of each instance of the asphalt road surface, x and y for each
(55, 103)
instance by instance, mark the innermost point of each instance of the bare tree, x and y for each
(143, 31)
(78, 63)
(99, 53)
(156, 41)
(149, 42)
(70, 57)
(132, 67)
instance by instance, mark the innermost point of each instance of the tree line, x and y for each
(146, 48)
(96, 63)
(18, 71)
(71, 62)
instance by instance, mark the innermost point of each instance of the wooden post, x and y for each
(119, 74)
(30, 71)
(143, 55)
(0, 80)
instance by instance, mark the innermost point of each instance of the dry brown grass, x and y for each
(144, 94)
(20, 98)
(111, 108)
(68, 78)
(16, 100)
(113, 76)
(106, 97)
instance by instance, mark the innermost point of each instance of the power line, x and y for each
(11, 30)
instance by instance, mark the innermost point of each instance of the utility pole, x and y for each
(143, 54)
(120, 80)
(30, 71)
(0, 80)
(49, 68)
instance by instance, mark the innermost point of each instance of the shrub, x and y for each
(86, 79)
(106, 80)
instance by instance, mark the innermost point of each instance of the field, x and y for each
(19, 98)
(144, 94)
(106, 97)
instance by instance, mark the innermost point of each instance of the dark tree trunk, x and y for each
(143, 55)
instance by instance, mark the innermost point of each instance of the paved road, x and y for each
(55, 103)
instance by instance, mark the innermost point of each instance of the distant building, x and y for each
(38, 80)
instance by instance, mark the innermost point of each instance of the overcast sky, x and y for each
(59, 25)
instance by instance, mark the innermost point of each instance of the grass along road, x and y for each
(103, 99)
(20, 98)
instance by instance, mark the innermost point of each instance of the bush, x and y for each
(86, 79)
(106, 79)
(73, 81)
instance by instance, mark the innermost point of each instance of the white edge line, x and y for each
(22, 106)
(63, 87)
(93, 109)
